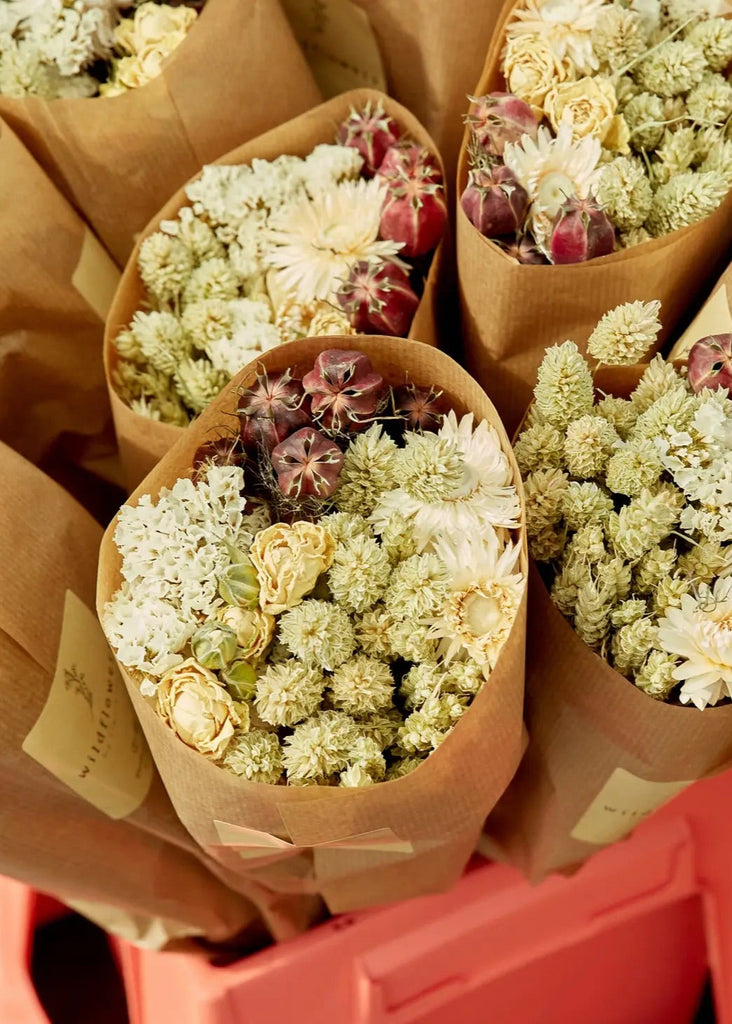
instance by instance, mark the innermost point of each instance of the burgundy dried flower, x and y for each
(371, 131)
(271, 408)
(494, 202)
(582, 231)
(414, 213)
(523, 250)
(308, 464)
(710, 363)
(220, 451)
(378, 298)
(411, 159)
(345, 391)
(421, 409)
(498, 118)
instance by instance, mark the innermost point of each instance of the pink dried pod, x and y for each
(524, 250)
(710, 363)
(582, 231)
(499, 118)
(378, 298)
(494, 202)
(371, 131)
(307, 464)
(271, 409)
(411, 159)
(344, 390)
(414, 213)
(420, 408)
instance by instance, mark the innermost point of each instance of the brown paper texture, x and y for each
(143, 442)
(118, 158)
(622, 803)
(440, 807)
(339, 44)
(87, 734)
(715, 317)
(511, 314)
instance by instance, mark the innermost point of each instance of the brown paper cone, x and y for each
(511, 313)
(602, 754)
(117, 159)
(714, 317)
(142, 442)
(145, 866)
(57, 283)
(439, 808)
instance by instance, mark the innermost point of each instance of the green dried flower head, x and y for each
(319, 747)
(403, 766)
(373, 630)
(214, 645)
(366, 753)
(539, 447)
(288, 692)
(623, 189)
(671, 69)
(705, 561)
(668, 594)
(418, 587)
(634, 466)
(198, 383)
(592, 615)
(675, 155)
(344, 526)
(238, 583)
(430, 467)
(318, 633)
(420, 682)
(684, 200)
(585, 503)
(256, 756)
(674, 410)
(369, 469)
(362, 686)
(544, 490)
(710, 102)
(618, 411)
(617, 37)
(165, 265)
(548, 545)
(614, 577)
(658, 379)
(212, 279)
(655, 565)
(645, 117)
(587, 545)
(588, 445)
(656, 676)
(564, 389)
(645, 522)
(566, 586)
(359, 573)
(628, 611)
(631, 645)
(412, 641)
(160, 339)
(625, 334)
(714, 38)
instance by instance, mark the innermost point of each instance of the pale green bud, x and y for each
(238, 583)
(241, 680)
(214, 645)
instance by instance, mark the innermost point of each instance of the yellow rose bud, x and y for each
(589, 105)
(198, 709)
(253, 628)
(288, 560)
(531, 69)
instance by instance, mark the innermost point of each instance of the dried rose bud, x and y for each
(273, 407)
(582, 231)
(345, 391)
(214, 645)
(523, 250)
(710, 363)
(220, 451)
(371, 131)
(378, 298)
(307, 464)
(411, 159)
(421, 409)
(494, 202)
(498, 118)
(414, 213)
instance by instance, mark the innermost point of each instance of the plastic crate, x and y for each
(622, 942)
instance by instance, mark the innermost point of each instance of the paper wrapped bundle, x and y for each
(125, 859)
(142, 441)
(512, 312)
(118, 158)
(603, 754)
(357, 847)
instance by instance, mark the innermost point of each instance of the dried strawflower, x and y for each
(566, 26)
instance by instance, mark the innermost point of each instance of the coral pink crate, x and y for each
(621, 942)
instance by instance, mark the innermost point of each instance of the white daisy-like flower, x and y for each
(485, 498)
(565, 24)
(700, 633)
(485, 594)
(313, 243)
(552, 169)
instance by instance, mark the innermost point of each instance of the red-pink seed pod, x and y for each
(414, 213)
(582, 231)
(378, 298)
(494, 202)
(271, 409)
(371, 131)
(307, 464)
(344, 390)
(710, 363)
(219, 451)
(411, 159)
(523, 250)
(421, 409)
(499, 118)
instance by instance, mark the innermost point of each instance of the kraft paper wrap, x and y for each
(144, 866)
(142, 442)
(596, 741)
(57, 283)
(439, 808)
(714, 317)
(117, 159)
(511, 313)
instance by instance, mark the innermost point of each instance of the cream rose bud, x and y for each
(198, 709)
(154, 24)
(254, 630)
(531, 69)
(288, 560)
(589, 104)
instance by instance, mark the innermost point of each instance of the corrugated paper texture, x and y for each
(117, 159)
(715, 317)
(585, 722)
(440, 807)
(142, 442)
(512, 313)
(56, 285)
(50, 838)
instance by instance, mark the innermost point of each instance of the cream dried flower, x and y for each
(256, 756)
(345, 527)
(362, 686)
(714, 38)
(161, 340)
(355, 776)
(369, 469)
(195, 234)
(668, 594)
(402, 767)
(412, 641)
(719, 160)
(684, 200)
(566, 586)
(564, 390)
(288, 559)
(705, 561)
(624, 191)
(366, 753)
(430, 467)
(544, 492)
(359, 574)
(382, 728)
(288, 692)
(659, 379)
(540, 446)
(328, 320)
(548, 544)
(618, 411)
(710, 102)
(198, 709)
(531, 67)
(420, 682)
(373, 631)
(592, 614)
(165, 265)
(253, 629)
(655, 565)
(588, 445)
(625, 334)
(631, 645)
(198, 383)
(656, 676)
(583, 503)
(319, 747)
(463, 677)
(672, 68)
(417, 588)
(636, 236)
(676, 154)
(319, 633)
(207, 321)
(587, 545)
(645, 116)
(618, 37)
(566, 25)
(212, 279)
(614, 577)
(588, 105)
(634, 466)
(628, 611)
(398, 539)
(645, 522)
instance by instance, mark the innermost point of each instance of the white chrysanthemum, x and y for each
(315, 242)
(565, 24)
(700, 632)
(485, 498)
(485, 594)
(551, 169)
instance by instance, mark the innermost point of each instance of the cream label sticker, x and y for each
(96, 275)
(622, 803)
